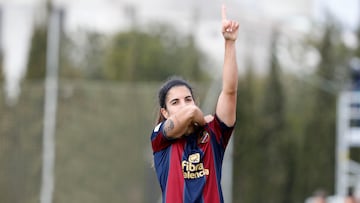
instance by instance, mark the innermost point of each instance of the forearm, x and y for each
(226, 106)
(179, 124)
(230, 71)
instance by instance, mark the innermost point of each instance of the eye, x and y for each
(174, 102)
(189, 99)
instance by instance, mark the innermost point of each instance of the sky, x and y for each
(110, 16)
(346, 10)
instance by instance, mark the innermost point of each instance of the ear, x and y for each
(164, 112)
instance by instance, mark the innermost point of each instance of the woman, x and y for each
(189, 148)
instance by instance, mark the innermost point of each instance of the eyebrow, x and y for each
(176, 99)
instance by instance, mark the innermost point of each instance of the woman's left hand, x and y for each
(229, 27)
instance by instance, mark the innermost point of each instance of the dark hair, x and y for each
(170, 83)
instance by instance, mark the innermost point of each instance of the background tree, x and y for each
(36, 68)
(246, 139)
(2, 73)
(318, 158)
(67, 52)
(81, 56)
(155, 55)
(272, 121)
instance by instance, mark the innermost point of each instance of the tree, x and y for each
(2, 78)
(73, 61)
(260, 135)
(36, 68)
(154, 55)
(318, 152)
(246, 141)
(2, 70)
(272, 121)
(81, 56)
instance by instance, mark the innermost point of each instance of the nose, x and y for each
(184, 103)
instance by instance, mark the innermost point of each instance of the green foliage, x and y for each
(320, 132)
(357, 50)
(82, 55)
(272, 121)
(36, 68)
(259, 140)
(154, 56)
(299, 100)
(67, 65)
(2, 76)
(247, 141)
(285, 134)
(127, 56)
(273, 102)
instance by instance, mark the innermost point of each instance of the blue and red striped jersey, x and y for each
(189, 168)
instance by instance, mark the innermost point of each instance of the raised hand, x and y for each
(229, 27)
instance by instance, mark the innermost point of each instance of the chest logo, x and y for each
(193, 168)
(194, 158)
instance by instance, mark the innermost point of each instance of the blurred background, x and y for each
(79, 82)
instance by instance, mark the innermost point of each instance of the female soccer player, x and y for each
(189, 147)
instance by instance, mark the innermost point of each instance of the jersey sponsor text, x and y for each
(193, 168)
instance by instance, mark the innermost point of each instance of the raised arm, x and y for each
(226, 105)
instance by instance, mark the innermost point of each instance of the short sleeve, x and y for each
(158, 139)
(221, 130)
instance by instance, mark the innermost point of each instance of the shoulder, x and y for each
(157, 127)
(217, 122)
(157, 130)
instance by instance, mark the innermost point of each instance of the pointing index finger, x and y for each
(223, 12)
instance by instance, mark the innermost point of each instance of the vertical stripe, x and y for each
(175, 185)
(211, 190)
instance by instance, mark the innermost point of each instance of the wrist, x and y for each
(230, 41)
(230, 44)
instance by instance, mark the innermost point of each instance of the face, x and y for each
(319, 200)
(177, 97)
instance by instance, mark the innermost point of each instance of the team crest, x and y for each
(204, 137)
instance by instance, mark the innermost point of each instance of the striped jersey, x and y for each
(189, 168)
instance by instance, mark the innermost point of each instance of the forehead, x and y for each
(178, 92)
